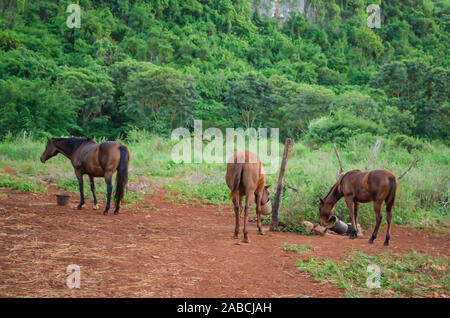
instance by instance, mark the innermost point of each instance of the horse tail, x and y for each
(236, 178)
(390, 200)
(122, 173)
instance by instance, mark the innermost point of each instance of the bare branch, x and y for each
(287, 185)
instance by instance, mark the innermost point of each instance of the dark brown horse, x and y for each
(361, 187)
(95, 160)
(245, 176)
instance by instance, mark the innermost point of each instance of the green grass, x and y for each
(296, 248)
(406, 275)
(21, 182)
(422, 198)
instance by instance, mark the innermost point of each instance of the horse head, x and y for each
(50, 150)
(326, 212)
(266, 204)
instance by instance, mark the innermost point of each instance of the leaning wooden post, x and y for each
(277, 204)
(374, 152)
(341, 169)
(409, 168)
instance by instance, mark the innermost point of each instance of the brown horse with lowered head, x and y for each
(245, 176)
(95, 160)
(361, 187)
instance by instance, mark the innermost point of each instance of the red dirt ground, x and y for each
(159, 249)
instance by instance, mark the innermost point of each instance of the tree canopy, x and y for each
(159, 64)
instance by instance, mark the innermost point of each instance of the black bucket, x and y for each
(337, 225)
(62, 199)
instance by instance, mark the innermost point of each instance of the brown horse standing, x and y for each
(95, 160)
(245, 176)
(362, 187)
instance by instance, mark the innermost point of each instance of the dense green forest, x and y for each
(157, 65)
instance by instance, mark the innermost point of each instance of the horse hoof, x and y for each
(96, 207)
(247, 241)
(370, 242)
(261, 233)
(116, 212)
(79, 207)
(236, 237)
(105, 212)
(386, 243)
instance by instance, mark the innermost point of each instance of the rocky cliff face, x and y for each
(282, 9)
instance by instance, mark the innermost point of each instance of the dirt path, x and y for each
(162, 250)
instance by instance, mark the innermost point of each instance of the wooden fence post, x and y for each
(374, 153)
(341, 169)
(277, 204)
(409, 168)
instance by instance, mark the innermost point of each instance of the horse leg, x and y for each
(258, 214)
(377, 208)
(249, 197)
(80, 187)
(116, 210)
(237, 201)
(91, 180)
(108, 180)
(350, 205)
(356, 213)
(388, 219)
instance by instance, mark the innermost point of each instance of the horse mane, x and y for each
(332, 188)
(71, 144)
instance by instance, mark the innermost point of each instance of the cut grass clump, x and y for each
(296, 248)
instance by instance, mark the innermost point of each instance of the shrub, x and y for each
(340, 128)
(9, 40)
(34, 106)
(410, 143)
(397, 121)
